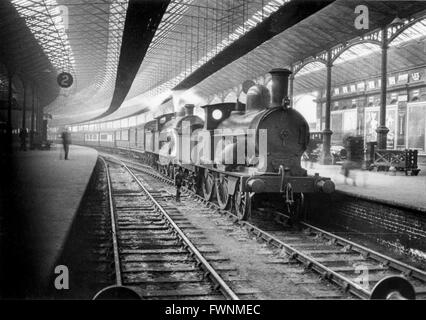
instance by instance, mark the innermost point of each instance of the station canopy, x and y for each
(85, 38)
(333, 27)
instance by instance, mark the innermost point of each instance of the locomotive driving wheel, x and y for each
(242, 204)
(208, 185)
(223, 198)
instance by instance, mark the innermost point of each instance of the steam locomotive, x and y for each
(239, 153)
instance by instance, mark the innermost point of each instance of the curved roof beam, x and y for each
(309, 65)
(356, 50)
(410, 30)
(142, 20)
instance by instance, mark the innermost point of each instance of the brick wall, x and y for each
(396, 226)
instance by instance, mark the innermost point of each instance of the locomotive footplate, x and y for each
(279, 183)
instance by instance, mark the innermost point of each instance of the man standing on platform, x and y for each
(66, 141)
(178, 183)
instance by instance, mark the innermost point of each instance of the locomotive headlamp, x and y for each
(217, 114)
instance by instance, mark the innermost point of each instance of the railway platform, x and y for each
(46, 192)
(398, 189)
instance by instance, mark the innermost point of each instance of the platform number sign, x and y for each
(65, 80)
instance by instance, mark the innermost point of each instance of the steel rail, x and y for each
(224, 288)
(311, 263)
(346, 283)
(400, 266)
(117, 265)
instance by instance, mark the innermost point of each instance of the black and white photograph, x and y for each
(213, 158)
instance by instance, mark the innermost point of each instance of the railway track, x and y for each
(153, 254)
(354, 268)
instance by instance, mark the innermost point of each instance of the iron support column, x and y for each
(382, 130)
(24, 106)
(326, 155)
(32, 118)
(39, 119)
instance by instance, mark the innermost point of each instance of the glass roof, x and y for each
(417, 31)
(95, 32)
(190, 34)
(47, 24)
(84, 38)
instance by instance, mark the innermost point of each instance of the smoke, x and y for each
(183, 97)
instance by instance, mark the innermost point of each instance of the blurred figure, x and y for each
(352, 155)
(23, 138)
(66, 141)
(347, 168)
(178, 183)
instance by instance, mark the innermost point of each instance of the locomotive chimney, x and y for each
(189, 109)
(279, 90)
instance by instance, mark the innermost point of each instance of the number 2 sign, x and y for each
(65, 80)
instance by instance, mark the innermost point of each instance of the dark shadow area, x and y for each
(88, 253)
(16, 255)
